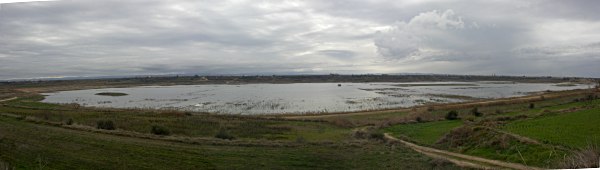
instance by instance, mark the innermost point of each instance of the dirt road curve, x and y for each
(461, 159)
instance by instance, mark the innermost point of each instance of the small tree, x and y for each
(69, 121)
(222, 134)
(531, 105)
(475, 112)
(430, 108)
(300, 139)
(452, 115)
(105, 124)
(160, 130)
(377, 135)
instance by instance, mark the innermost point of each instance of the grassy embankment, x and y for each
(479, 136)
(26, 145)
(427, 133)
(179, 123)
(574, 129)
(541, 133)
(41, 135)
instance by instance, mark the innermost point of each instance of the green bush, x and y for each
(300, 139)
(222, 134)
(69, 121)
(531, 105)
(452, 115)
(475, 112)
(377, 136)
(105, 124)
(160, 130)
(430, 108)
(21, 117)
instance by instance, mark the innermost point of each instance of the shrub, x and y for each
(300, 139)
(452, 115)
(590, 97)
(475, 112)
(531, 105)
(105, 124)
(360, 134)
(440, 162)
(342, 122)
(470, 119)
(160, 130)
(419, 119)
(222, 134)
(377, 136)
(69, 121)
(21, 117)
(430, 108)
(46, 116)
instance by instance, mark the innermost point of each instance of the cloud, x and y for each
(16, 1)
(437, 35)
(339, 54)
(111, 37)
(528, 45)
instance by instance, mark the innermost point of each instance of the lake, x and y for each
(300, 98)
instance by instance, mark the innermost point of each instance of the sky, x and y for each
(212, 37)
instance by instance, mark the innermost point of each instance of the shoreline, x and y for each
(537, 96)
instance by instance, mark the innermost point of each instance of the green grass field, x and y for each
(493, 145)
(25, 145)
(575, 129)
(553, 124)
(179, 123)
(366, 119)
(424, 133)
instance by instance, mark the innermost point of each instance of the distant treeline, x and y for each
(183, 80)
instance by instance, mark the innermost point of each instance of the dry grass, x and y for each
(342, 122)
(5, 166)
(588, 157)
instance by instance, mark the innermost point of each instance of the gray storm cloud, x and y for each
(100, 38)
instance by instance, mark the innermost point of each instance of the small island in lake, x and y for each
(111, 94)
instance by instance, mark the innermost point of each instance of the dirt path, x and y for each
(461, 159)
(9, 99)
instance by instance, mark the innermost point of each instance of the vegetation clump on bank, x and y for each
(105, 124)
(452, 115)
(160, 130)
(223, 134)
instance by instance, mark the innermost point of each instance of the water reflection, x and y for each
(298, 98)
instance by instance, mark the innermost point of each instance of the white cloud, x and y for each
(15, 1)
(429, 35)
(113, 37)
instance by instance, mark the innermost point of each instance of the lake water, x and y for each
(298, 98)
